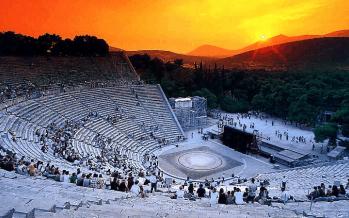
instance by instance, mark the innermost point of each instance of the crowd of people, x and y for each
(143, 183)
(12, 91)
(243, 121)
(60, 140)
(235, 195)
(322, 193)
(254, 192)
(138, 185)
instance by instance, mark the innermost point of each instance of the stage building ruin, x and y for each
(191, 112)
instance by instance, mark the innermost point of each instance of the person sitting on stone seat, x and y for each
(80, 180)
(21, 168)
(245, 194)
(130, 181)
(122, 186)
(222, 198)
(93, 183)
(252, 189)
(329, 191)
(335, 191)
(100, 182)
(142, 192)
(135, 189)
(153, 181)
(180, 193)
(213, 197)
(263, 196)
(73, 178)
(341, 191)
(201, 191)
(32, 169)
(114, 185)
(87, 181)
(238, 197)
(321, 191)
(66, 177)
(230, 197)
(314, 194)
(191, 188)
(284, 197)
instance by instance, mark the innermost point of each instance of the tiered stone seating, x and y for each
(38, 113)
(123, 96)
(130, 134)
(29, 198)
(25, 145)
(83, 143)
(14, 70)
(126, 146)
(300, 181)
(318, 209)
(152, 99)
(129, 126)
(66, 106)
(96, 101)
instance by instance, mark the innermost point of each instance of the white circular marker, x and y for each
(200, 160)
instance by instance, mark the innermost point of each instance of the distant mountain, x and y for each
(114, 49)
(171, 56)
(325, 50)
(339, 33)
(211, 51)
(214, 51)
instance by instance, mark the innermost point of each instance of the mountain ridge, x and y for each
(323, 50)
(219, 52)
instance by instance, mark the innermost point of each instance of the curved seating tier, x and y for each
(137, 116)
(29, 199)
(300, 181)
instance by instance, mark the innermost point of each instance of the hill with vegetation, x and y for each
(168, 56)
(12, 44)
(330, 50)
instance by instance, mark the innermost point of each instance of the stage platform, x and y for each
(202, 160)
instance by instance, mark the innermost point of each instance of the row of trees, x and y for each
(12, 44)
(299, 97)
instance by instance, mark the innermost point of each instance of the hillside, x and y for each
(65, 69)
(171, 56)
(329, 50)
(339, 33)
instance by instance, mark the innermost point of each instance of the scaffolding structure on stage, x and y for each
(191, 112)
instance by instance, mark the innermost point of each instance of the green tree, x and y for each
(326, 131)
(302, 112)
(342, 117)
(178, 62)
(234, 106)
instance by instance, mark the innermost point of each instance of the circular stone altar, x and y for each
(200, 160)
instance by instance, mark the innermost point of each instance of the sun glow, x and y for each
(263, 37)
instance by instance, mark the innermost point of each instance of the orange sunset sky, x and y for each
(176, 25)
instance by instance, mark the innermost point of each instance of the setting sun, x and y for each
(263, 37)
